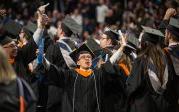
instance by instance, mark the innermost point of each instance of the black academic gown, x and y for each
(55, 57)
(82, 94)
(141, 95)
(173, 57)
(25, 55)
(10, 98)
(114, 94)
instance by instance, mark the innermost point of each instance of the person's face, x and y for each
(59, 30)
(22, 35)
(10, 49)
(85, 61)
(104, 41)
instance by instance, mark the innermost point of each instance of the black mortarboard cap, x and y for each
(83, 48)
(94, 46)
(5, 40)
(31, 27)
(152, 35)
(173, 26)
(111, 33)
(12, 27)
(72, 25)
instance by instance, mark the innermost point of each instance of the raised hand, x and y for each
(41, 9)
(123, 40)
(42, 18)
(169, 13)
(42, 21)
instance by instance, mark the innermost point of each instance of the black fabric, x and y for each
(173, 30)
(67, 31)
(151, 38)
(84, 95)
(114, 92)
(70, 43)
(173, 52)
(71, 26)
(163, 25)
(10, 99)
(25, 55)
(112, 35)
(83, 48)
(12, 27)
(5, 40)
(55, 57)
(142, 97)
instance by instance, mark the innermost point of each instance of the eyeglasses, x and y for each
(85, 56)
(10, 46)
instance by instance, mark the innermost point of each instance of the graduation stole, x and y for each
(21, 96)
(20, 44)
(124, 68)
(84, 73)
(26, 95)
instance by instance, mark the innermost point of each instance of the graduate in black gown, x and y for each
(19, 58)
(16, 95)
(172, 52)
(109, 40)
(149, 84)
(58, 54)
(83, 87)
(64, 44)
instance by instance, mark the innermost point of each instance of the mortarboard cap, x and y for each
(173, 26)
(31, 27)
(94, 46)
(96, 49)
(132, 42)
(111, 33)
(83, 48)
(12, 27)
(152, 35)
(5, 40)
(71, 25)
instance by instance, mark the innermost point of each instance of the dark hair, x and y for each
(66, 30)
(154, 52)
(175, 38)
(81, 52)
(114, 42)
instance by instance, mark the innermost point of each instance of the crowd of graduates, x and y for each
(73, 62)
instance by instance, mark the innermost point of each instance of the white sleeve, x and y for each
(38, 34)
(116, 56)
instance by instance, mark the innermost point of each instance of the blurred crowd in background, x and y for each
(93, 15)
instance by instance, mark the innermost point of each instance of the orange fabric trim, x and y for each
(22, 104)
(11, 61)
(84, 73)
(125, 69)
(166, 50)
(20, 44)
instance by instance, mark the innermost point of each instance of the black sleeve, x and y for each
(54, 56)
(28, 52)
(54, 98)
(111, 72)
(59, 76)
(163, 25)
(135, 79)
